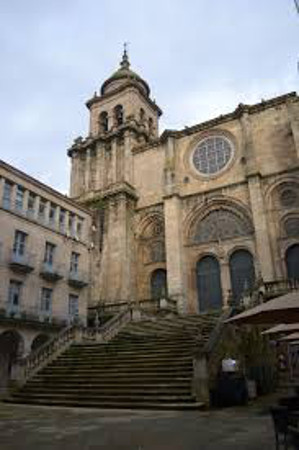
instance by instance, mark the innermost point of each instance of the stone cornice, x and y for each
(236, 114)
(132, 83)
(41, 185)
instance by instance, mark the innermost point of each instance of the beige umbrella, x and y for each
(284, 309)
(282, 328)
(290, 337)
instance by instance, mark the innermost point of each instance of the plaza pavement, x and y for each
(44, 428)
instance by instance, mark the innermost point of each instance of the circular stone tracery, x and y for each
(212, 155)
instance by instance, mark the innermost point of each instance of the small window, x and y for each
(79, 228)
(72, 224)
(142, 115)
(103, 122)
(118, 115)
(7, 193)
(150, 125)
(62, 214)
(49, 253)
(74, 264)
(73, 306)
(19, 243)
(14, 296)
(52, 214)
(46, 300)
(42, 209)
(20, 198)
(31, 203)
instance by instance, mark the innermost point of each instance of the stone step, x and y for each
(129, 384)
(100, 361)
(116, 370)
(102, 390)
(119, 377)
(111, 404)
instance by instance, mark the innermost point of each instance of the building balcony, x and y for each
(21, 263)
(77, 279)
(51, 272)
(31, 315)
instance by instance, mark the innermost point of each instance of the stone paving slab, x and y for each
(48, 428)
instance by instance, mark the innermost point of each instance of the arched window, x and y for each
(39, 340)
(242, 273)
(103, 121)
(159, 284)
(142, 115)
(118, 115)
(292, 262)
(208, 283)
(11, 347)
(150, 125)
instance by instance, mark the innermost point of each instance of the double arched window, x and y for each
(159, 284)
(242, 273)
(103, 122)
(118, 115)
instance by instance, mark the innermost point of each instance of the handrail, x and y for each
(110, 328)
(215, 335)
(42, 355)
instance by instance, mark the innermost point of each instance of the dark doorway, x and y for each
(38, 341)
(11, 347)
(159, 284)
(242, 273)
(208, 284)
(292, 262)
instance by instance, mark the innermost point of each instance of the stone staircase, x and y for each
(148, 364)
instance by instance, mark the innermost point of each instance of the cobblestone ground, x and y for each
(43, 428)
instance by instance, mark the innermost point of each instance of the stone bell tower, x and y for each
(122, 116)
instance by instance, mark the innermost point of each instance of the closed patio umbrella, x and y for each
(282, 328)
(284, 309)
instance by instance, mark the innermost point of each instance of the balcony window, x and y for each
(19, 243)
(14, 296)
(79, 228)
(72, 225)
(7, 193)
(46, 301)
(73, 306)
(74, 265)
(62, 214)
(20, 198)
(52, 214)
(31, 204)
(42, 209)
(49, 254)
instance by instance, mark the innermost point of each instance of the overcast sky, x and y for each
(200, 57)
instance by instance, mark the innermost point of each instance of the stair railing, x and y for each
(110, 329)
(26, 367)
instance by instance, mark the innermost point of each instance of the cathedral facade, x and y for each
(197, 215)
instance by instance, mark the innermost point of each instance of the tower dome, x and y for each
(122, 76)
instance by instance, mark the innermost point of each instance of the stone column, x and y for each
(261, 228)
(25, 201)
(13, 197)
(1, 189)
(47, 212)
(225, 282)
(128, 177)
(114, 156)
(174, 251)
(293, 111)
(87, 170)
(57, 214)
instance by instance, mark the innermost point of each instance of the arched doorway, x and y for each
(208, 283)
(11, 347)
(242, 273)
(292, 262)
(159, 284)
(38, 341)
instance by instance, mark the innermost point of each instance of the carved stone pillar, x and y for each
(174, 251)
(261, 228)
(293, 111)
